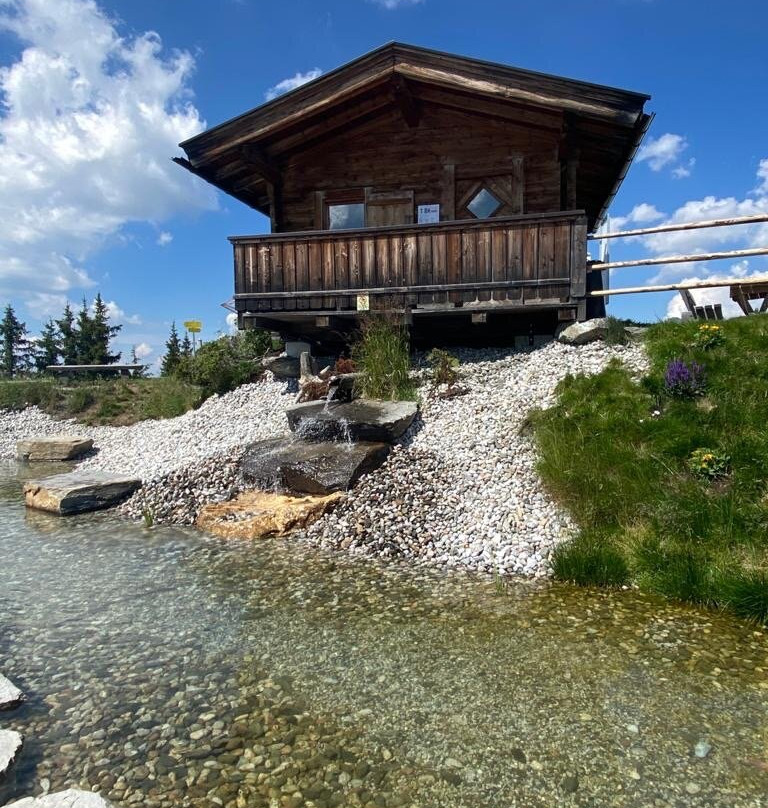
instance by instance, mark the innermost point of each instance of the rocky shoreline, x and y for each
(459, 489)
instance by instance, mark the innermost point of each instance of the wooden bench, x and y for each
(95, 370)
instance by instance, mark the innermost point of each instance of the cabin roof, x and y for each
(243, 156)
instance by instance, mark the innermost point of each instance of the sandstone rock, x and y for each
(312, 468)
(71, 798)
(258, 514)
(10, 695)
(360, 420)
(78, 491)
(582, 333)
(53, 448)
(283, 367)
(10, 744)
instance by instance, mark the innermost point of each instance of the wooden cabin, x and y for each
(456, 192)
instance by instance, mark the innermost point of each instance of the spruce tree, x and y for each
(13, 342)
(173, 353)
(48, 349)
(68, 336)
(186, 347)
(102, 334)
(83, 336)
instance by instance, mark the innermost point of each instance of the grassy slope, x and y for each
(119, 402)
(622, 472)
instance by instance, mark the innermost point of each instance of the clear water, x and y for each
(168, 668)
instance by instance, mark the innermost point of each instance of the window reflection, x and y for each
(342, 217)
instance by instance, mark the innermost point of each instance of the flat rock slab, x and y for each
(10, 744)
(71, 798)
(53, 448)
(312, 468)
(583, 333)
(360, 420)
(259, 514)
(78, 491)
(10, 695)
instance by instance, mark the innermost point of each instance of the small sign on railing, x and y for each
(363, 303)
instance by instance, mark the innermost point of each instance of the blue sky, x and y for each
(97, 95)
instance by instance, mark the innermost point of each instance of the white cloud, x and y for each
(286, 85)
(143, 350)
(684, 170)
(662, 151)
(762, 175)
(164, 238)
(117, 316)
(89, 120)
(232, 322)
(393, 4)
(643, 213)
(721, 294)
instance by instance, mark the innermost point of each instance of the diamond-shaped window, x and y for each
(483, 204)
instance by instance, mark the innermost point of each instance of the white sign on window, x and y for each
(428, 214)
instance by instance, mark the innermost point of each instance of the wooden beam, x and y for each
(258, 159)
(402, 290)
(479, 317)
(676, 287)
(671, 228)
(690, 303)
(679, 259)
(409, 106)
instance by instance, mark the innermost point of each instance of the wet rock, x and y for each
(257, 514)
(361, 420)
(570, 783)
(78, 491)
(53, 448)
(582, 333)
(10, 695)
(71, 798)
(10, 744)
(313, 468)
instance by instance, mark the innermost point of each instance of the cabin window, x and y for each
(345, 216)
(483, 204)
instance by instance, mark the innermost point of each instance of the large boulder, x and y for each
(10, 695)
(312, 468)
(53, 448)
(283, 367)
(360, 420)
(10, 744)
(259, 514)
(582, 333)
(71, 798)
(78, 491)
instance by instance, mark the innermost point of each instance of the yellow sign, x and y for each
(193, 326)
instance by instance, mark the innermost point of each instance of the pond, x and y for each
(168, 668)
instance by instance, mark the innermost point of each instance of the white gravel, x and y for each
(461, 488)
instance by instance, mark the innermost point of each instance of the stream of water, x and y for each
(168, 668)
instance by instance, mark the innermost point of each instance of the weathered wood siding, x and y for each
(516, 260)
(439, 160)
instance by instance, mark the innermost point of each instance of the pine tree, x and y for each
(48, 349)
(173, 353)
(13, 342)
(83, 336)
(68, 337)
(102, 334)
(142, 372)
(186, 347)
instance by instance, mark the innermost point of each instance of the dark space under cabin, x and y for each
(454, 192)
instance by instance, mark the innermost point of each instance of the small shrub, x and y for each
(79, 399)
(383, 356)
(684, 380)
(225, 363)
(344, 365)
(590, 560)
(708, 464)
(443, 367)
(708, 336)
(746, 594)
(615, 332)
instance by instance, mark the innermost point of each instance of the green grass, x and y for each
(615, 453)
(117, 401)
(383, 356)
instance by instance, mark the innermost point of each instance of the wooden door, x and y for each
(386, 208)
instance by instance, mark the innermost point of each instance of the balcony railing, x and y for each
(537, 259)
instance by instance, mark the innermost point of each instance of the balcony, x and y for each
(508, 264)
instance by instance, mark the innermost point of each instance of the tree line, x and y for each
(73, 339)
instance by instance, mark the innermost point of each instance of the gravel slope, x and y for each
(460, 489)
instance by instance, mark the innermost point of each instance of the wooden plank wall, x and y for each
(528, 249)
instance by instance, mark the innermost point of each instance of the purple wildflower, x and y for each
(684, 380)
